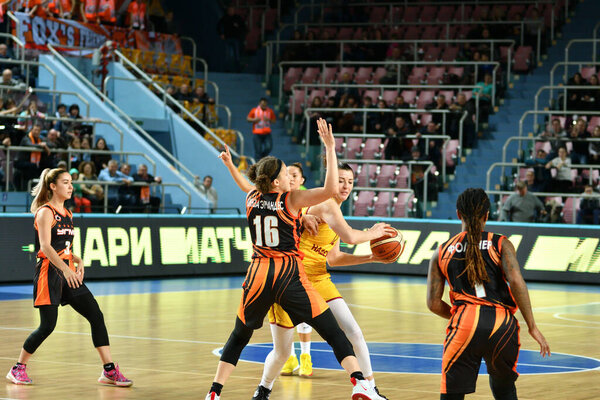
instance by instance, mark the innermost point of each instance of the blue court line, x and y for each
(141, 286)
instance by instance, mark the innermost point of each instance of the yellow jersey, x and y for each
(315, 249)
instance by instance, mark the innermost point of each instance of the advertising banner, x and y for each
(155, 246)
(37, 32)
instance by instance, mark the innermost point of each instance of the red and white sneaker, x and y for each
(18, 375)
(114, 377)
(212, 396)
(363, 390)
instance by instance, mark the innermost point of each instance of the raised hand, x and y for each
(225, 156)
(325, 133)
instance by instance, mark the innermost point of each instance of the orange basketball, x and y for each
(388, 247)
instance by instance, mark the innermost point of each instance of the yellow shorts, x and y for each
(324, 287)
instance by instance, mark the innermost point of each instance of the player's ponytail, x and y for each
(41, 192)
(473, 205)
(264, 172)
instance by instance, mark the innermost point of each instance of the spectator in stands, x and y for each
(77, 124)
(346, 122)
(397, 146)
(207, 189)
(330, 116)
(391, 75)
(95, 192)
(5, 55)
(553, 135)
(574, 96)
(367, 103)
(594, 147)
(435, 145)
(81, 203)
(485, 89)
(146, 202)
(136, 14)
(86, 144)
(312, 125)
(532, 185)
(522, 206)
(101, 160)
(62, 8)
(112, 174)
(589, 207)
(128, 194)
(28, 117)
(402, 109)
(382, 120)
(580, 147)
(61, 112)
(543, 176)
(36, 8)
(232, 28)
(55, 141)
(75, 156)
(563, 181)
(201, 95)
(262, 117)
(591, 96)
(31, 163)
(438, 104)
(343, 93)
(184, 93)
(458, 108)
(294, 51)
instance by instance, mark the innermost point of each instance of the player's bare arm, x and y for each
(435, 289)
(512, 271)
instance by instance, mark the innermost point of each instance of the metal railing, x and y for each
(595, 38)
(551, 112)
(566, 70)
(11, 149)
(543, 194)
(409, 207)
(398, 64)
(107, 184)
(181, 168)
(409, 164)
(573, 41)
(492, 42)
(564, 88)
(50, 91)
(28, 64)
(191, 116)
(196, 59)
(495, 165)
(446, 139)
(92, 122)
(19, 45)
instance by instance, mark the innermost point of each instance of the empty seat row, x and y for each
(159, 62)
(382, 204)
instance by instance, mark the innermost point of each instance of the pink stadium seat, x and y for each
(292, 76)
(425, 119)
(378, 74)
(400, 204)
(252, 40)
(411, 14)
(387, 176)
(432, 54)
(451, 152)
(449, 94)
(329, 75)
(315, 93)
(373, 94)
(310, 75)
(382, 204)
(468, 94)
(363, 202)
(365, 173)
(587, 72)
(436, 75)
(345, 33)
(425, 97)
(353, 147)
(543, 145)
(594, 122)
(403, 177)
(378, 14)
(409, 96)
(413, 33)
(339, 147)
(445, 14)
(390, 96)
(458, 71)
(372, 149)
(522, 59)
(296, 107)
(363, 75)
(397, 14)
(344, 70)
(428, 13)
(431, 33)
(568, 207)
(450, 53)
(514, 10)
(478, 11)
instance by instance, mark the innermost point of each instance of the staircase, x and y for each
(519, 99)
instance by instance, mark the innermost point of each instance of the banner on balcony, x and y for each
(36, 32)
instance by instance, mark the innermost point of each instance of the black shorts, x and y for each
(51, 288)
(475, 332)
(282, 281)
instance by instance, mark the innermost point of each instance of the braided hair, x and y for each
(473, 205)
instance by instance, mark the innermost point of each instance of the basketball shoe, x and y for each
(290, 366)
(262, 393)
(114, 377)
(363, 390)
(212, 396)
(379, 395)
(18, 375)
(305, 366)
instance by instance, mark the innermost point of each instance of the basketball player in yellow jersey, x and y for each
(319, 251)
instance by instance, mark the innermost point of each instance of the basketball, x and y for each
(388, 247)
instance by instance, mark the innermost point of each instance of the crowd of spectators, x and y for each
(131, 14)
(195, 100)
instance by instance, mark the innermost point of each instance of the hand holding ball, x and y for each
(388, 248)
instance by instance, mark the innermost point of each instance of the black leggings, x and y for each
(86, 305)
(502, 389)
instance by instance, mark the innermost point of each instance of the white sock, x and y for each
(344, 318)
(292, 350)
(304, 347)
(278, 356)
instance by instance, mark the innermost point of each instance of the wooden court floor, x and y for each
(163, 335)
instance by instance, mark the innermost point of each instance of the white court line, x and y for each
(566, 306)
(558, 316)
(392, 310)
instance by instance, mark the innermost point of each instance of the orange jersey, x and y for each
(452, 263)
(274, 229)
(62, 235)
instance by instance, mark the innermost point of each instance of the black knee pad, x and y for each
(326, 325)
(238, 339)
(503, 389)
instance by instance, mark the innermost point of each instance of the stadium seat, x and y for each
(381, 204)
(353, 147)
(409, 96)
(252, 40)
(432, 53)
(373, 94)
(292, 76)
(390, 96)
(379, 73)
(363, 202)
(587, 72)
(425, 97)
(436, 75)
(428, 13)
(329, 75)
(372, 149)
(400, 205)
(363, 75)
(310, 75)
(387, 176)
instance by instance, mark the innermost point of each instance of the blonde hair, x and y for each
(41, 192)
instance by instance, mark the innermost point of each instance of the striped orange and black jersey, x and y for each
(63, 233)
(274, 229)
(495, 292)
